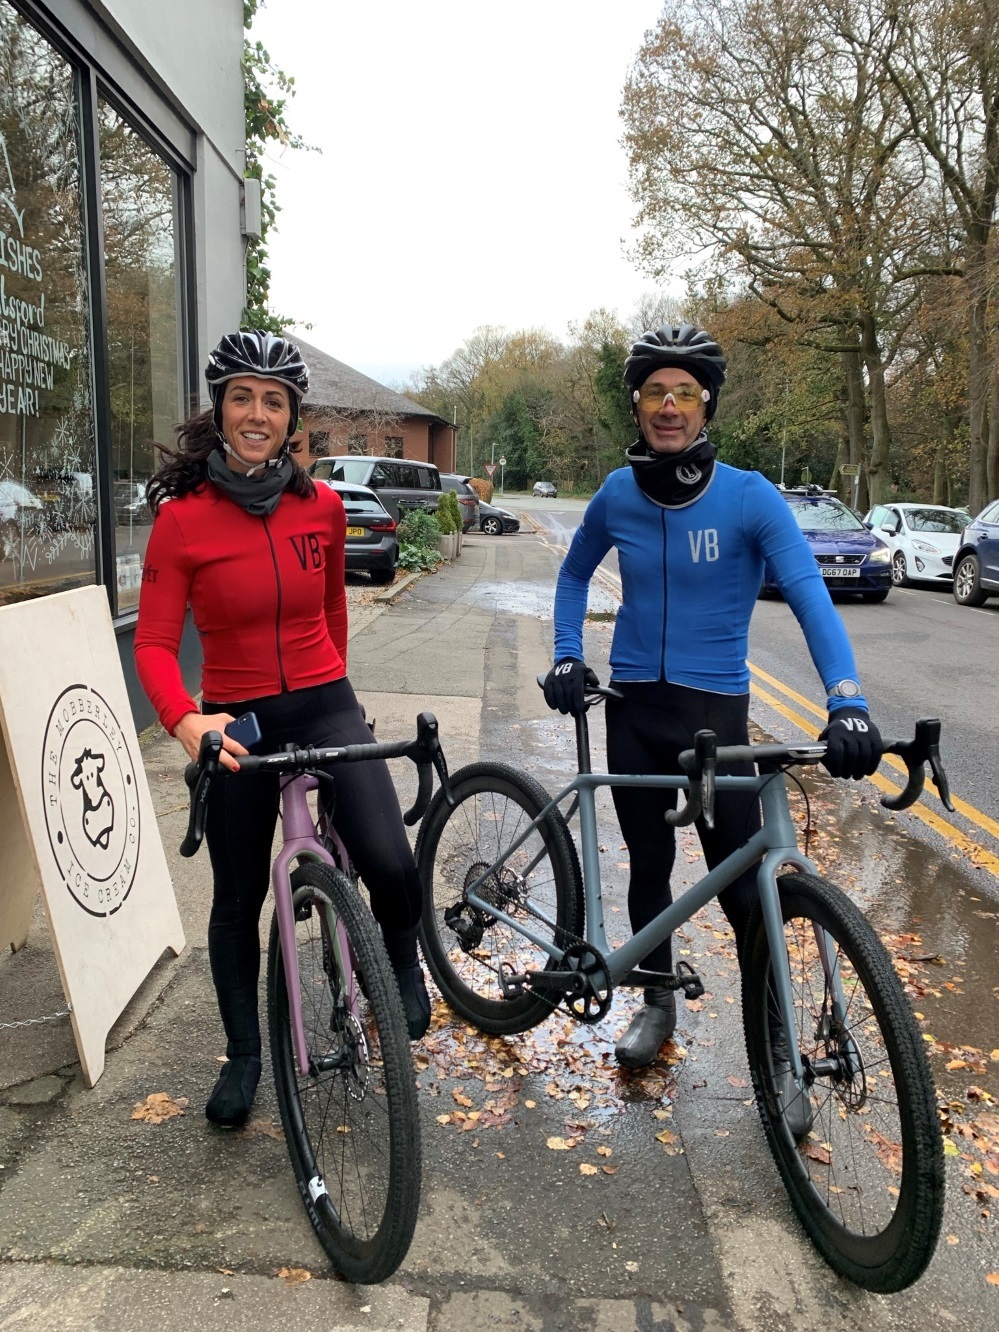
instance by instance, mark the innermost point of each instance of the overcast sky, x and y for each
(471, 170)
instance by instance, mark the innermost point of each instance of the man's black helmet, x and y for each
(262, 355)
(686, 347)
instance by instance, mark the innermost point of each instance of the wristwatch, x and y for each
(845, 689)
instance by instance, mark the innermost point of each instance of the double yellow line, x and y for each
(973, 850)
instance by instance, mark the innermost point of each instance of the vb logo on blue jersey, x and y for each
(707, 540)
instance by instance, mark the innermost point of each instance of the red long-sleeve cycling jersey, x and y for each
(267, 595)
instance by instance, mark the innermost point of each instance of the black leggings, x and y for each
(646, 732)
(239, 829)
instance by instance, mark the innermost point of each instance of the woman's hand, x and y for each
(193, 725)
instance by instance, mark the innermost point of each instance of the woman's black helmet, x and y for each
(686, 347)
(262, 355)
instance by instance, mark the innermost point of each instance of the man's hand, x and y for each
(853, 744)
(566, 684)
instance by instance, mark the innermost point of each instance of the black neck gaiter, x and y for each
(673, 479)
(258, 495)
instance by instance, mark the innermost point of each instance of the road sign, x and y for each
(806, 475)
(850, 469)
(490, 469)
(502, 462)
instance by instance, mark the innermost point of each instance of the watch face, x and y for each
(847, 689)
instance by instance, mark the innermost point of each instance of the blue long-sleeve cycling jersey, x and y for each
(690, 579)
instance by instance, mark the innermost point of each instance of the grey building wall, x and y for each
(190, 49)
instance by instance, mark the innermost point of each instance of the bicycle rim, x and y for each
(866, 1178)
(351, 1122)
(538, 885)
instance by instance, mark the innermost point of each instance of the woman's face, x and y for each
(256, 415)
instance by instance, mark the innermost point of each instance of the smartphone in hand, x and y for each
(245, 730)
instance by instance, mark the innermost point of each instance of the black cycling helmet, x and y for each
(262, 355)
(686, 347)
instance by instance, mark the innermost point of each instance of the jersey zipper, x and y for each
(662, 655)
(277, 616)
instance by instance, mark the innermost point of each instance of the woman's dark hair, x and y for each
(185, 468)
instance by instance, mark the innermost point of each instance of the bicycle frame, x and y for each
(774, 845)
(301, 842)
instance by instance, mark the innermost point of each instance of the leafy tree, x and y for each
(266, 93)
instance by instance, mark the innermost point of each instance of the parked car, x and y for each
(923, 540)
(850, 557)
(400, 482)
(495, 521)
(130, 504)
(976, 564)
(545, 490)
(21, 513)
(372, 544)
(468, 500)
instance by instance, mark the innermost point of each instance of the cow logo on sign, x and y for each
(91, 800)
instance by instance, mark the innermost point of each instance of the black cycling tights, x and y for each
(646, 732)
(239, 830)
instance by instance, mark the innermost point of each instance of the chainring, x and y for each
(592, 1004)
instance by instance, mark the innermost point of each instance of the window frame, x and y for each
(102, 68)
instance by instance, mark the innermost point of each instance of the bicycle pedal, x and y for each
(511, 982)
(689, 981)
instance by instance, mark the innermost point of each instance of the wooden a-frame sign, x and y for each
(76, 817)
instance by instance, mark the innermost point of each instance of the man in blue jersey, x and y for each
(692, 535)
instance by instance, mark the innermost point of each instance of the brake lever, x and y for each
(429, 752)
(916, 753)
(199, 777)
(699, 764)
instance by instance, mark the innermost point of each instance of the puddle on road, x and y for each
(938, 917)
(525, 598)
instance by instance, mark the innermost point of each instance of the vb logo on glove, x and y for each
(565, 668)
(853, 723)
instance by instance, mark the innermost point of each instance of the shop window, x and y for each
(319, 443)
(47, 439)
(357, 444)
(140, 196)
(393, 446)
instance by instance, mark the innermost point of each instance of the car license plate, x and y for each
(831, 571)
(355, 531)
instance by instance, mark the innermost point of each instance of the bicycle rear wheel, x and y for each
(539, 885)
(351, 1122)
(865, 1173)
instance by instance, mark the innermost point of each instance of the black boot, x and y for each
(232, 1096)
(651, 1025)
(401, 948)
(799, 1114)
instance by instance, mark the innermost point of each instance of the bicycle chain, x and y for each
(568, 941)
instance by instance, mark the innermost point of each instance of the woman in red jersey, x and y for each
(244, 537)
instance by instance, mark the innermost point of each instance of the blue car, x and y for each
(976, 564)
(850, 557)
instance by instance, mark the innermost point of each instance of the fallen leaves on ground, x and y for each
(158, 1107)
(262, 1128)
(294, 1276)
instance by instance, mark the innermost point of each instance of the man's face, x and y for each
(666, 427)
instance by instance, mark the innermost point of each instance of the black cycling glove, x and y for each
(566, 684)
(853, 744)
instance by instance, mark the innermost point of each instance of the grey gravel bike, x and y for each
(513, 929)
(343, 1070)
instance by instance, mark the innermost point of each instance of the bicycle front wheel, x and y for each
(538, 885)
(351, 1120)
(859, 1149)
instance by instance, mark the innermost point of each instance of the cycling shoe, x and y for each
(651, 1025)
(232, 1096)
